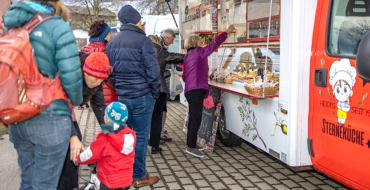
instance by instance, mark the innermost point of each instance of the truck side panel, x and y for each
(339, 111)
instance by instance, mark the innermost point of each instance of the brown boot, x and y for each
(146, 181)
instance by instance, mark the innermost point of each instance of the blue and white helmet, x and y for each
(117, 113)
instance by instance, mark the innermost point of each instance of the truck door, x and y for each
(339, 118)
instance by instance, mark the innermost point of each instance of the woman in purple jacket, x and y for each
(195, 76)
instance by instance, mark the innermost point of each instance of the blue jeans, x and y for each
(41, 143)
(140, 112)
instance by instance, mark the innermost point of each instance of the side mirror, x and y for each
(363, 58)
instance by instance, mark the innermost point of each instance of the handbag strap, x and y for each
(109, 84)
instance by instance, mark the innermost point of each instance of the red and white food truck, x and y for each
(289, 79)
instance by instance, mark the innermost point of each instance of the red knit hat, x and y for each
(97, 65)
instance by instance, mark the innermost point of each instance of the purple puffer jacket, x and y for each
(196, 69)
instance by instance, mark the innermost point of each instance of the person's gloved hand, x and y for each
(76, 148)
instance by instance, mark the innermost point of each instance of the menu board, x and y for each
(208, 127)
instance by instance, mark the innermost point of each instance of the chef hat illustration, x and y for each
(342, 70)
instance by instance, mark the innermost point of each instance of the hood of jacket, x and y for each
(21, 12)
(94, 47)
(123, 145)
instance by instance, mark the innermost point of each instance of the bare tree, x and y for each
(157, 7)
(84, 12)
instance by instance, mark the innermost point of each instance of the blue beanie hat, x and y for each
(128, 14)
(116, 113)
(102, 35)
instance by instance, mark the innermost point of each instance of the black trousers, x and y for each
(156, 125)
(195, 100)
(69, 177)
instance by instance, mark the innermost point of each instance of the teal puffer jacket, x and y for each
(55, 50)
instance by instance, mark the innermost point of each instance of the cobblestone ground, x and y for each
(234, 168)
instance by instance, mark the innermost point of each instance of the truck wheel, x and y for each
(226, 137)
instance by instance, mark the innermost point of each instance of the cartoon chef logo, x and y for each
(342, 79)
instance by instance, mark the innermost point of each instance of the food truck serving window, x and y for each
(349, 21)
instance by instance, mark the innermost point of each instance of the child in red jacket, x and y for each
(113, 150)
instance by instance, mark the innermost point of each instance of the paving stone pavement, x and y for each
(235, 168)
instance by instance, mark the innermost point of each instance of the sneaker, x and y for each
(161, 142)
(195, 152)
(166, 139)
(200, 148)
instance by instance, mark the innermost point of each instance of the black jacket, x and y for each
(164, 57)
(94, 95)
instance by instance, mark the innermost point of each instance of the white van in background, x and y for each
(154, 25)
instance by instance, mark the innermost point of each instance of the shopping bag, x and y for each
(175, 84)
(208, 103)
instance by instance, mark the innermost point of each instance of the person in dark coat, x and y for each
(95, 69)
(137, 83)
(164, 57)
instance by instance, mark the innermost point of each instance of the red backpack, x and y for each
(25, 92)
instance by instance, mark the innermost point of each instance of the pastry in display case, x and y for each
(206, 38)
(228, 80)
(256, 68)
(257, 88)
(221, 76)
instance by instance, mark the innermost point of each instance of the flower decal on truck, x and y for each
(342, 79)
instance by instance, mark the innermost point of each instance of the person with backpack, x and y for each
(42, 141)
(3, 129)
(2, 29)
(100, 34)
(96, 68)
(113, 150)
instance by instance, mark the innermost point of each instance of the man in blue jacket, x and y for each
(137, 83)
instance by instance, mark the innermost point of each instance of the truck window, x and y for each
(348, 22)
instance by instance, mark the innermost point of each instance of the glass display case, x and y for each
(254, 68)
(258, 12)
(244, 58)
(250, 17)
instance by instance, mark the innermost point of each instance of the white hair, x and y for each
(169, 33)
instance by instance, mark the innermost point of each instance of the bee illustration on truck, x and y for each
(342, 79)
